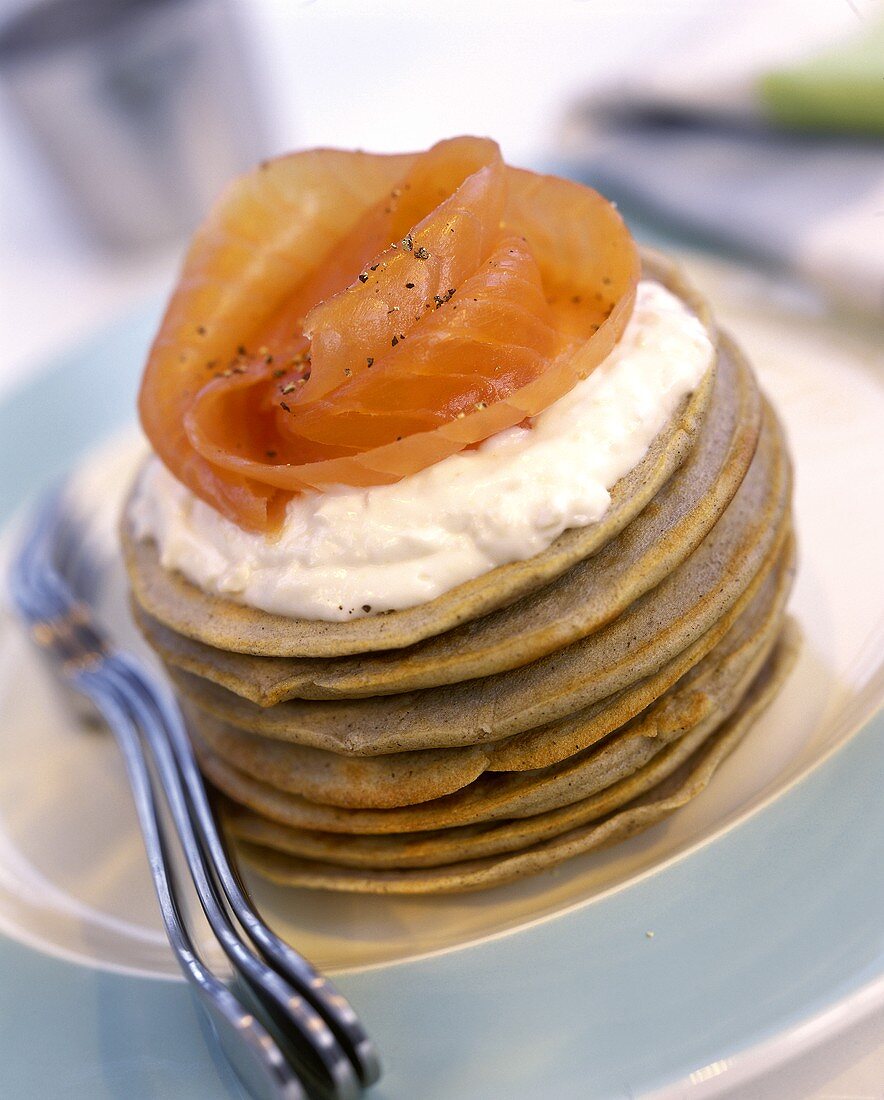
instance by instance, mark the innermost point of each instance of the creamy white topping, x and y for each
(349, 551)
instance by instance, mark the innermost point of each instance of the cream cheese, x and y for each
(347, 552)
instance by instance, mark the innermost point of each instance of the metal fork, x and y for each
(308, 1023)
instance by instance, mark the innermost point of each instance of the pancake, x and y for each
(592, 592)
(468, 804)
(768, 590)
(396, 779)
(170, 599)
(443, 846)
(696, 712)
(530, 749)
(697, 708)
(402, 779)
(686, 780)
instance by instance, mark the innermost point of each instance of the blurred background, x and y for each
(752, 127)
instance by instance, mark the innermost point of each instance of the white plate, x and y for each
(72, 875)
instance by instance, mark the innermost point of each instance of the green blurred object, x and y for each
(839, 90)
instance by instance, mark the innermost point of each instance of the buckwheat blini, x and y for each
(467, 541)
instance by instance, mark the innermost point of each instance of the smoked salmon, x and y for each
(344, 318)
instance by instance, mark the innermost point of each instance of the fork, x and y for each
(306, 1022)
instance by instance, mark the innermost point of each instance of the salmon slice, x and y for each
(468, 354)
(344, 318)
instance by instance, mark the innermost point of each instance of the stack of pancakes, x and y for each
(542, 710)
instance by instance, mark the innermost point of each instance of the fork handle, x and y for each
(296, 1022)
(249, 1048)
(316, 988)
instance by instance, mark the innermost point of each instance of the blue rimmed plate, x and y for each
(685, 959)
